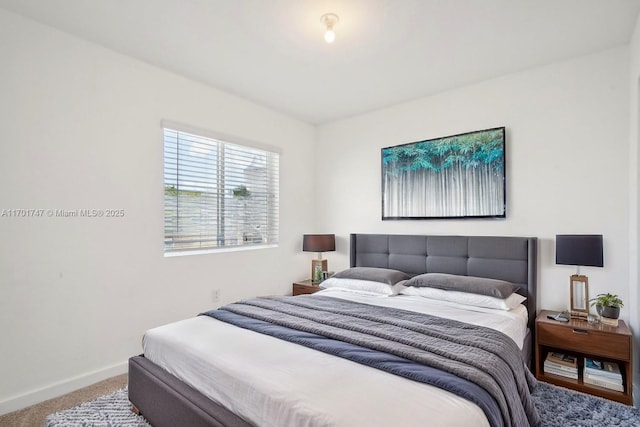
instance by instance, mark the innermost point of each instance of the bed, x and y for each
(173, 395)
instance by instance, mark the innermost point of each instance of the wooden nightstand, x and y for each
(581, 339)
(305, 287)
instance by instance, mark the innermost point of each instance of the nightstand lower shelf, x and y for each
(582, 340)
(580, 385)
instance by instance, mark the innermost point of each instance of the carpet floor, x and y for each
(34, 416)
(558, 407)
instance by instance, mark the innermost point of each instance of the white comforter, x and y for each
(271, 382)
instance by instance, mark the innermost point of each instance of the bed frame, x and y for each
(164, 400)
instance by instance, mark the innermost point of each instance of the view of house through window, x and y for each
(218, 194)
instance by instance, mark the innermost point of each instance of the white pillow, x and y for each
(362, 286)
(476, 300)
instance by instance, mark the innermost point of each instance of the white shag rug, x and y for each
(112, 410)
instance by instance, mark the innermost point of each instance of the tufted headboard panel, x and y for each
(506, 258)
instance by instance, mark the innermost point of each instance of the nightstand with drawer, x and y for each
(581, 339)
(305, 287)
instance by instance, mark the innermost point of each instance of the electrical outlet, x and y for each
(215, 295)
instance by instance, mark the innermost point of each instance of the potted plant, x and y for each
(607, 305)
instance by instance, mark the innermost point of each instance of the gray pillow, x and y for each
(373, 274)
(476, 285)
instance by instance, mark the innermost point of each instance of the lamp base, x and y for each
(579, 291)
(317, 267)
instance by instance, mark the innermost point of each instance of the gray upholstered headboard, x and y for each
(506, 258)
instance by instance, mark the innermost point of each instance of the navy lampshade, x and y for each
(319, 242)
(579, 249)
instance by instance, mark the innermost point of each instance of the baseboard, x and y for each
(61, 387)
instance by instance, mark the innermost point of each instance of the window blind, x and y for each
(218, 194)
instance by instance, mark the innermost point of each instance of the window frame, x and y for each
(271, 198)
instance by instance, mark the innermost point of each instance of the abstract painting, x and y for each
(458, 176)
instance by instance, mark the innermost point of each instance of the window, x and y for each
(217, 194)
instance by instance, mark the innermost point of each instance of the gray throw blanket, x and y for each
(481, 355)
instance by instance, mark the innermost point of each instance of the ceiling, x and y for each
(272, 52)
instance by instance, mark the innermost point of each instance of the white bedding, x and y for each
(271, 382)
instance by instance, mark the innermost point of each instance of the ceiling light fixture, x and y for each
(329, 20)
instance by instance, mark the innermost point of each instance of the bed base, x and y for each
(164, 400)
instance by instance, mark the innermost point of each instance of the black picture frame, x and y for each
(457, 176)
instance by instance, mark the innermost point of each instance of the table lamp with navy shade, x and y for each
(580, 250)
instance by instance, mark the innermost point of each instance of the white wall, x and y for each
(80, 128)
(634, 180)
(567, 164)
